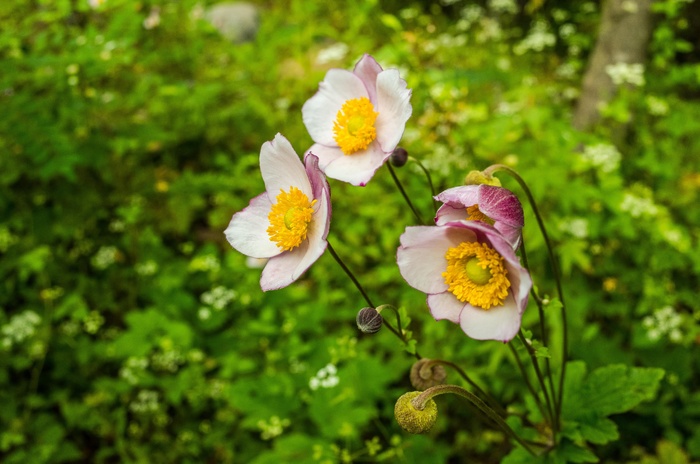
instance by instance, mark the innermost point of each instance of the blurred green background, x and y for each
(130, 131)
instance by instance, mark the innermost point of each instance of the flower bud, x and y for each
(412, 419)
(369, 320)
(398, 157)
(425, 374)
(478, 177)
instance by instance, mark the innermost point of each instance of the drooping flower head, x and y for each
(496, 206)
(471, 275)
(356, 120)
(289, 222)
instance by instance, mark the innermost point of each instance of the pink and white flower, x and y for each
(496, 206)
(471, 275)
(289, 222)
(356, 120)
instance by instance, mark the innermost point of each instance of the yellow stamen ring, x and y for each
(289, 218)
(475, 214)
(476, 274)
(354, 125)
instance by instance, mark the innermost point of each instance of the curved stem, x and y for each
(489, 399)
(399, 333)
(405, 196)
(420, 400)
(555, 270)
(349, 273)
(427, 175)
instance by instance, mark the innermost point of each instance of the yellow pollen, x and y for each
(289, 218)
(354, 125)
(475, 214)
(476, 274)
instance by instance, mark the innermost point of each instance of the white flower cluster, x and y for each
(273, 428)
(626, 73)
(577, 227)
(168, 361)
(146, 402)
(664, 322)
(147, 268)
(325, 378)
(638, 206)
(656, 106)
(93, 321)
(105, 257)
(133, 368)
(218, 297)
(602, 156)
(20, 327)
(537, 40)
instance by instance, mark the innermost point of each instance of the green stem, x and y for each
(489, 399)
(540, 378)
(555, 270)
(352, 277)
(543, 331)
(528, 384)
(427, 175)
(405, 196)
(420, 400)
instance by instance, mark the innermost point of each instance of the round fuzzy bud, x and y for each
(369, 320)
(398, 157)
(478, 177)
(426, 374)
(411, 419)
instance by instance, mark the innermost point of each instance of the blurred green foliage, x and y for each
(130, 133)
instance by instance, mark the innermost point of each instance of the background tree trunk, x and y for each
(625, 29)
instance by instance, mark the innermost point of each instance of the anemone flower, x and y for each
(496, 206)
(471, 275)
(289, 222)
(356, 120)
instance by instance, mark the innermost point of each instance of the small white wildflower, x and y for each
(272, 428)
(626, 73)
(537, 39)
(335, 52)
(205, 263)
(204, 313)
(168, 361)
(147, 268)
(326, 377)
(637, 206)
(146, 402)
(218, 297)
(577, 227)
(153, 19)
(656, 106)
(20, 328)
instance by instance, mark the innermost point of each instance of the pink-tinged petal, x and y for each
(497, 323)
(394, 107)
(421, 256)
(367, 70)
(316, 176)
(447, 213)
(326, 155)
(281, 168)
(359, 167)
(445, 306)
(247, 231)
(460, 197)
(501, 205)
(320, 111)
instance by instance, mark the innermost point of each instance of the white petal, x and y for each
(279, 271)
(281, 168)
(445, 306)
(497, 323)
(394, 107)
(367, 70)
(320, 111)
(359, 167)
(458, 197)
(326, 155)
(421, 256)
(247, 231)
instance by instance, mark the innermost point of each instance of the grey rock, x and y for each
(236, 21)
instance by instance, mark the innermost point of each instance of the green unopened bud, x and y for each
(478, 177)
(398, 157)
(369, 320)
(411, 418)
(426, 373)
